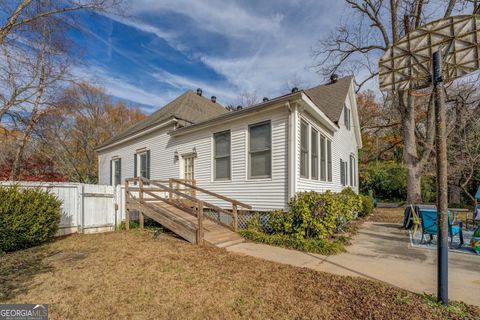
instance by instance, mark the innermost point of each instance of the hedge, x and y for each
(28, 217)
(313, 215)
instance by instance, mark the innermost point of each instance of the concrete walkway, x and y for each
(382, 252)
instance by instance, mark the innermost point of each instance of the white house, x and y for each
(261, 155)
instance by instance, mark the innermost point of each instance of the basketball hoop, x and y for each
(443, 50)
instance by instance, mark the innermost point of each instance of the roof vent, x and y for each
(239, 108)
(294, 89)
(333, 78)
(199, 92)
(214, 99)
(265, 99)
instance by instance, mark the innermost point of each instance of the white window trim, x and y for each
(115, 161)
(318, 153)
(213, 178)
(307, 174)
(142, 151)
(328, 137)
(247, 153)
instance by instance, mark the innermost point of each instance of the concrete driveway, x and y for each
(382, 252)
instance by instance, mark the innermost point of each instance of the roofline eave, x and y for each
(137, 134)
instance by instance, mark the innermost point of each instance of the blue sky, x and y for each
(162, 48)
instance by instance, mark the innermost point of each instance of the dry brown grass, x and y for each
(133, 275)
(388, 215)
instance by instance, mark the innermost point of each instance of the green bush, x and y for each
(313, 215)
(28, 217)
(387, 181)
(368, 205)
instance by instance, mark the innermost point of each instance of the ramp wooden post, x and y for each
(235, 218)
(194, 190)
(200, 222)
(140, 196)
(170, 185)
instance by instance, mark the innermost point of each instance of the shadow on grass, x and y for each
(17, 270)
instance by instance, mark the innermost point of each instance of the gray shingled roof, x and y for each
(330, 97)
(189, 107)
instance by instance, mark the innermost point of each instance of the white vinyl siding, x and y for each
(304, 149)
(222, 142)
(314, 161)
(260, 153)
(339, 145)
(262, 194)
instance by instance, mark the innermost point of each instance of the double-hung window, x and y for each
(115, 171)
(329, 160)
(142, 164)
(314, 139)
(323, 159)
(304, 150)
(353, 173)
(343, 172)
(260, 150)
(222, 155)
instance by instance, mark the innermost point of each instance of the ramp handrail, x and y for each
(197, 205)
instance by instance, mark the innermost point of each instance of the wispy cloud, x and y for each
(224, 47)
(122, 88)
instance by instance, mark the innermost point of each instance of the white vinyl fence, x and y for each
(86, 208)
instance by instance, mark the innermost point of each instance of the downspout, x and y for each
(292, 150)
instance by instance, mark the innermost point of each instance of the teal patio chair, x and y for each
(429, 225)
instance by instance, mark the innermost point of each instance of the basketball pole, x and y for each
(442, 191)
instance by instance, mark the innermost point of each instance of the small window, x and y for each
(222, 155)
(314, 154)
(115, 171)
(346, 115)
(260, 150)
(142, 164)
(329, 160)
(323, 159)
(304, 150)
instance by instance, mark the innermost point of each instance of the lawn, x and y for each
(136, 275)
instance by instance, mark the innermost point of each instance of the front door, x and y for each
(188, 167)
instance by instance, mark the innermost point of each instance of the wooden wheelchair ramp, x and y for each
(174, 204)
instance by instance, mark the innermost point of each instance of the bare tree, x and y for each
(25, 12)
(248, 99)
(356, 46)
(84, 117)
(464, 138)
(34, 61)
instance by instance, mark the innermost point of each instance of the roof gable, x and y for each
(330, 97)
(189, 107)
